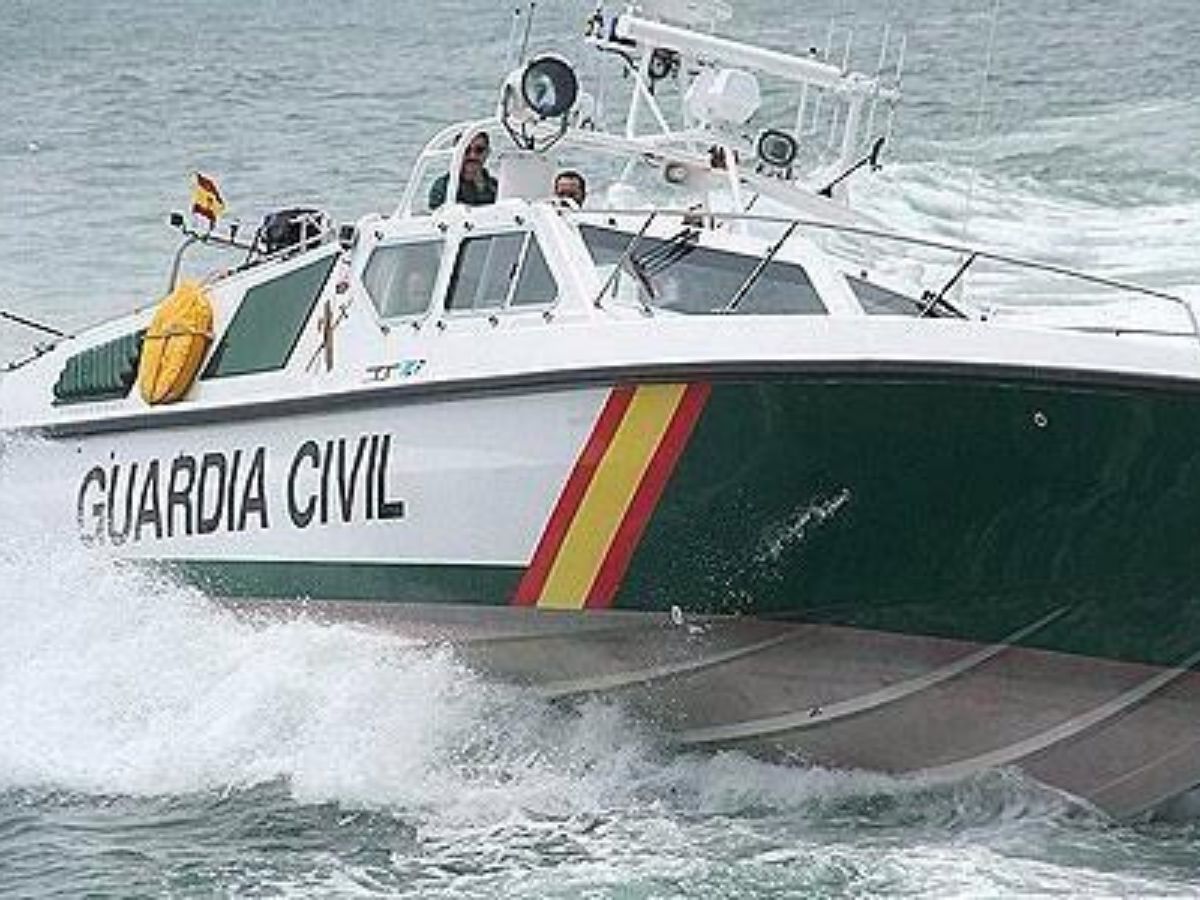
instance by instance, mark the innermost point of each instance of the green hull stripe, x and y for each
(387, 582)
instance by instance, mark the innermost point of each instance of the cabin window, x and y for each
(500, 270)
(536, 285)
(268, 322)
(678, 274)
(399, 278)
(879, 301)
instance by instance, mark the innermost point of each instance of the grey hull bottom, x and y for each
(1122, 736)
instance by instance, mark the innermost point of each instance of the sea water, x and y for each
(151, 744)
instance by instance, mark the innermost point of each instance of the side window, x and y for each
(400, 277)
(484, 272)
(268, 322)
(879, 301)
(491, 269)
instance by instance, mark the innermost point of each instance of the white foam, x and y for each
(113, 681)
(1151, 242)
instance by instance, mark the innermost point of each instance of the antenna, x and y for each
(979, 112)
(528, 27)
(32, 323)
(879, 69)
(517, 58)
(510, 61)
(891, 114)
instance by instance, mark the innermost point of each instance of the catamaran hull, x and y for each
(912, 572)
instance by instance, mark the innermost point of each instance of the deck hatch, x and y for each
(104, 372)
(268, 322)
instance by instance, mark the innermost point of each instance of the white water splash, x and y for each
(117, 680)
(777, 539)
(1148, 241)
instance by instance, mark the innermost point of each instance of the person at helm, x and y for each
(570, 185)
(476, 186)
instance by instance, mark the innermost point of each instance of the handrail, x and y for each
(678, 146)
(913, 240)
(211, 238)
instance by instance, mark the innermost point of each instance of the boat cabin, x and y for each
(698, 238)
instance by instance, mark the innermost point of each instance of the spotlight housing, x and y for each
(549, 87)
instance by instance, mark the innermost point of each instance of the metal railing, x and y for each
(972, 254)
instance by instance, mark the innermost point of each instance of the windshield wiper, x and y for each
(667, 253)
(740, 294)
(626, 255)
(634, 267)
(933, 301)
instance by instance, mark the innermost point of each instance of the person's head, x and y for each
(569, 185)
(418, 282)
(475, 155)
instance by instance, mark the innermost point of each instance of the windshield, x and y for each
(678, 274)
(879, 301)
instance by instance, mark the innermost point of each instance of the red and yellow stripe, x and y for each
(606, 504)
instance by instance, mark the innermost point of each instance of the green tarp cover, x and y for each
(104, 372)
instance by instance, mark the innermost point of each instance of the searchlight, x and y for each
(549, 87)
(537, 100)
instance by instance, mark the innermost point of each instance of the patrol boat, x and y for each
(701, 444)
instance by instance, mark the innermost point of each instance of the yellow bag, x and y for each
(175, 344)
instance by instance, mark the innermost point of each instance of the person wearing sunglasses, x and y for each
(476, 186)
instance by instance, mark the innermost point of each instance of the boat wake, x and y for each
(114, 679)
(125, 694)
(1148, 241)
(1089, 192)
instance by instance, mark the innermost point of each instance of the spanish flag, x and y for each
(206, 199)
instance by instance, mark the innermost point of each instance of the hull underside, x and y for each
(1123, 736)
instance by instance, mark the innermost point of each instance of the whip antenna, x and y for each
(979, 112)
(528, 27)
(522, 21)
(31, 323)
